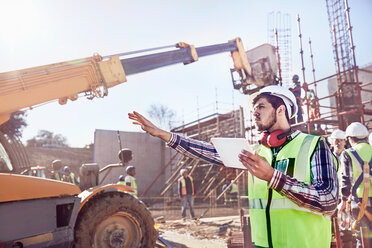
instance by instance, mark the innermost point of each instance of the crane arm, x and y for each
(92, 76)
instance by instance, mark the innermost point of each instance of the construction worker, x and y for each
(296, 89)
(69, 176)
(293, 186)
(231, 194)
(57, 170)
(338, 142)
(356, 183)
(186, 192)
(130, 180)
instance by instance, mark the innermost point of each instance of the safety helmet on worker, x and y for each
(66, 169)
(129, 168)
(182, 171)
(338, 134)
(121, 178)
(56, 164)
(285, 94)
(357, 130)
(295, 77)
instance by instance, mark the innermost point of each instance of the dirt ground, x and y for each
(202, 233)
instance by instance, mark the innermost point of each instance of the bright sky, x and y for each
(41, 32)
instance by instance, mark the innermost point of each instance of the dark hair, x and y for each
(275, 102)
(357, 140)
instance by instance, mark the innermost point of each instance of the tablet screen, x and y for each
(229, 149)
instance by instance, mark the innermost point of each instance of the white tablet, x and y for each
(229, 149)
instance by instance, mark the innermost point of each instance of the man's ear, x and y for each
(281, 110)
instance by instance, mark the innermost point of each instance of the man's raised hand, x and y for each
(148, 127)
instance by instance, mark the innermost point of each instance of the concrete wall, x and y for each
(150, 155)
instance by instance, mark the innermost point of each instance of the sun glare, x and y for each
(18, 20)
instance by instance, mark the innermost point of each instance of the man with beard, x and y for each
(293, 187)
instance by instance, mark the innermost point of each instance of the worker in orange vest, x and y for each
(186, 192)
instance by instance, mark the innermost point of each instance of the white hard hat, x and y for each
(338, 134)
(370, 139)
(356, 129)
(183, 171)
(285, 94)
(129, 168)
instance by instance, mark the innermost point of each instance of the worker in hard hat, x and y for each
(296, 89)
(186, 192)
(338, 142)
(57, 170)
(293, 186)
(69, 176)
(356, 183)
(231, 193)
(130, 180)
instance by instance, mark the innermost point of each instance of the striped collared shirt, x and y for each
(321, 195)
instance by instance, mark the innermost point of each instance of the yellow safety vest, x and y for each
(183, 185)
(276, 220)
(133, 184)
(364, 151)
(71, 178)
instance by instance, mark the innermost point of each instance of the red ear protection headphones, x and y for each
(274, 139)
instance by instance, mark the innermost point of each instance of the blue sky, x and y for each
(41, 32)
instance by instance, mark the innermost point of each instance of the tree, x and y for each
(162, 115)
(14, 126)
(46, 138)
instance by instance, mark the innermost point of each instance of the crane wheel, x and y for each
(115, 219)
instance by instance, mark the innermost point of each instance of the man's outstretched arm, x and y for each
(186, 146)
(148, 127)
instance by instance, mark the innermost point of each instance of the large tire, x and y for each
(115, 219)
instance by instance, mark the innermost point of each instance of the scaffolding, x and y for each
(208, 178)
(279, 35)
(350, 106)
(334, 101)
(329, 103)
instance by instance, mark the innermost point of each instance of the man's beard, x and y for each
(272, 121)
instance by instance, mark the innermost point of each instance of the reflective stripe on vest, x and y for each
(133, 185)
(364, 151)
(122, 183)
(283, 203)
(289, 224)
(183, 185)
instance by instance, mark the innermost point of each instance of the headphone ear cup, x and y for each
(273, 139)
(263, 138)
